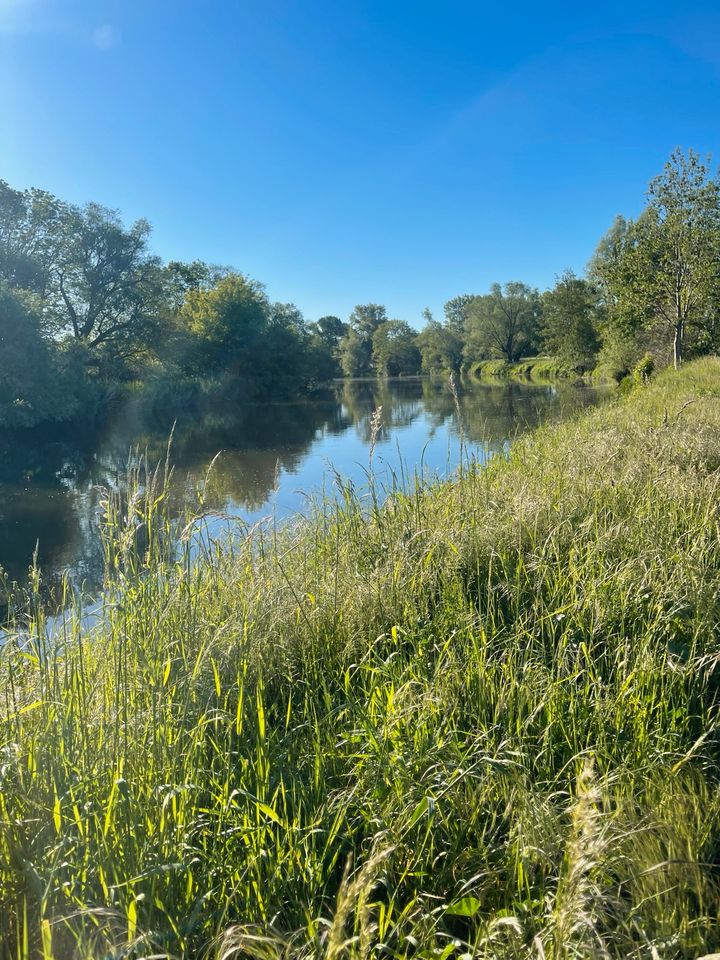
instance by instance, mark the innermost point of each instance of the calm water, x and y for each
(272, 458)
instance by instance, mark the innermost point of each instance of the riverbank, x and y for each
(536, 369)
(481, 718)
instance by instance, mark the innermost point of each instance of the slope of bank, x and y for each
(541, 369)
(480, 719)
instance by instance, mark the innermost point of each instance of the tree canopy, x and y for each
(662, 272)
(570, 321)
(504, 323)
(394, 349)
(356, 350)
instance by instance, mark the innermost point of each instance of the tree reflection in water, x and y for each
(271, 457)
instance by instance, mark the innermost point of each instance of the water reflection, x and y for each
(271, 457)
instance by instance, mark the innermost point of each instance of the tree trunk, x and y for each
(677, 344)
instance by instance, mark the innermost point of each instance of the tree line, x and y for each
(652, 289)
(87, 308)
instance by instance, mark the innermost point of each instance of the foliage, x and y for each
(479, 719)
(457, 312)
(236, 333)
(282, 359)
(504, 323)
(440, 347)
(323, 348)
(357, 346)
(29, 221)
(643, 369)
(103, 285)
(394, 349)
(662, 270)
(94, 283)
(107, 307)
(227, 321)
(330, 329)
(536, 369)
(570, 322)
(40, 382)
(30, 391)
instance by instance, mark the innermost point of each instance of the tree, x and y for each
(228, 323)
(182, 277)
(440, 347)
(394, 349)
(457, 313)
(330, 329)
(30, 391)
(569, 321)
(354, 355)
(665, 269)
(356, 347)
(366, 318)
(504, 323)
(28, 227)
(606, 254)
(323, 353)
(104, 287)
(283, 352)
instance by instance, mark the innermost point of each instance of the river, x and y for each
(272, 458)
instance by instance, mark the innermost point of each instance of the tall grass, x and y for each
(478, 719)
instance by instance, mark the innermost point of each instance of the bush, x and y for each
(643, 369)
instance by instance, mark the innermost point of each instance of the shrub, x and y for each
(643, 369)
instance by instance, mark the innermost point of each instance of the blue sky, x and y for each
(347, 152)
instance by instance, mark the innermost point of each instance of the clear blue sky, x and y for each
(351, 151)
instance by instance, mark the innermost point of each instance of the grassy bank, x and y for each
(539, 369)
(481, 719)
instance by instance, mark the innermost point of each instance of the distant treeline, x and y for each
(87, 309)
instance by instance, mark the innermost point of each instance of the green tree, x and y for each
(505, 323)
(618, 326)
(394, 349)
(228, 323)
(29, 224)
(570, 321)
(330, 329)
(663, 272)
(104, 288)
(356, 347)
(323, 354)
(282, 356)
(366, 318)
(30, 388)
(457, 312)
(354, 359)
(182, 277)
(440, 347)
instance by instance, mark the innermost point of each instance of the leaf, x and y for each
(260, 714)
(419, 812)
(269, 812)
(465, 907)
(30, 706)
(132, 919)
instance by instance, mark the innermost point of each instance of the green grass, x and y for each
(480, 720)
(539, 369)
